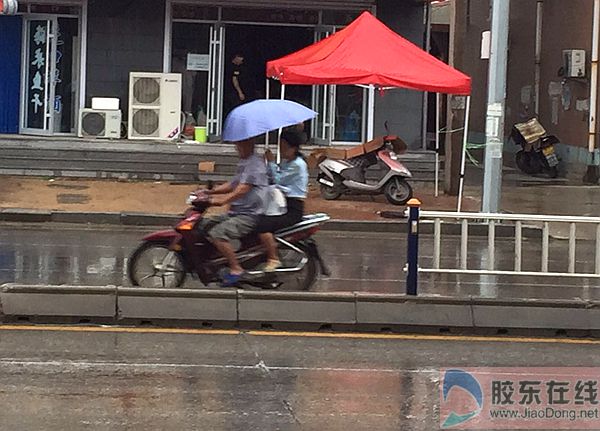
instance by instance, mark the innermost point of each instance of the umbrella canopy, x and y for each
(367, 52)
(261, 116)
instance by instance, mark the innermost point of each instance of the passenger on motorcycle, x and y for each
(291, 176)
(246, 194)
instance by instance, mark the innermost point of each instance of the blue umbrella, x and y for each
(262, 116)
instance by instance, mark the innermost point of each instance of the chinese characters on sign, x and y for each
(36, 94)
(520, 398)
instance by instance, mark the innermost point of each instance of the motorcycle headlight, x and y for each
(190, 199)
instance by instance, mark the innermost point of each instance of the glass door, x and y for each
(323, 102)
(39, 68)
(215, 80)
(349, 125)
(197, 53)
(50, 84)
(66, 76)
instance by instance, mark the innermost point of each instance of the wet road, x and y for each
(92, 255)
(79, 378)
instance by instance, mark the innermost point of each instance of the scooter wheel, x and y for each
(154, 265)
(398, 192)
(329, 193)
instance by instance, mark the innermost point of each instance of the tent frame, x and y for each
(370, 136)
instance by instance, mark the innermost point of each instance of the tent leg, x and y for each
(267, 95)
(464, 154)
(437, 144)
(280, 130)
(371, 113)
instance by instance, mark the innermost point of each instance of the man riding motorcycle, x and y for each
(245, 194)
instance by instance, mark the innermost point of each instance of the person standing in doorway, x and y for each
(237, 92)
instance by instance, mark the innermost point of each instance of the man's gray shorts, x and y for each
(229, 227)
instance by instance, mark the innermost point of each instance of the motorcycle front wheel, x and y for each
(329, 193)
(397, 191)
(155, 266)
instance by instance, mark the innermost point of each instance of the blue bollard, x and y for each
(412, 276)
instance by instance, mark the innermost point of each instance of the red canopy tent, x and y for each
(367, 52)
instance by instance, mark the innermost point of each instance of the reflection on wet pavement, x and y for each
(59, 380)
(374, 262)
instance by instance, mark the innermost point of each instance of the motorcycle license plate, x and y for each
(550, 155)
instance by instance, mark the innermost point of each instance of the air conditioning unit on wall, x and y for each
(100, 123)
(154, 106)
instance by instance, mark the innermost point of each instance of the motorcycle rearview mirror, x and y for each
(210, 184)
(387, 129)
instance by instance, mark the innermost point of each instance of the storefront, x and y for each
(42, 63)
(205, 38)
(60, 54)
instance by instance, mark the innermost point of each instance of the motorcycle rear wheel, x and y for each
(303, 279)
(527, 163)
(552, 171)
(153, 265)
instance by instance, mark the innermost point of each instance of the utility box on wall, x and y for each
(574, 63)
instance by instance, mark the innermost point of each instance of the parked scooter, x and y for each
(166, 257)
(537, 154)
(339, 176)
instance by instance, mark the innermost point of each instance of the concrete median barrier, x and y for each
(58, 301)
(402, 310)
(297, 307)
(533, 314)
(177, 304)
(334, 310)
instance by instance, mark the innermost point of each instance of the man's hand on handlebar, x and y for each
(215, 202)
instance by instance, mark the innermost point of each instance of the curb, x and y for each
(146, 219)
(325, 310)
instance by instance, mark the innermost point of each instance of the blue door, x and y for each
(10, 72)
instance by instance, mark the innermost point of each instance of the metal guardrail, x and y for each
(493, 220)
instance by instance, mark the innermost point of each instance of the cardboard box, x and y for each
(355, 151)
(373, 145)
(315, 158)
(206, 167)
(336, 153)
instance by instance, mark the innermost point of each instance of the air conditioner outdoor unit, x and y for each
(100, 123)
(154, 106)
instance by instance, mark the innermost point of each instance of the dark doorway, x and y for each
(440, 48)
(259, 44)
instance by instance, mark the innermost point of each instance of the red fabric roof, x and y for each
(367, 52)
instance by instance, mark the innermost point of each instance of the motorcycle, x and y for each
(537, 154)
(165, 258)
(338, 176)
